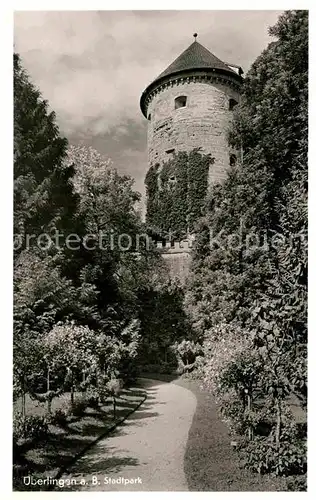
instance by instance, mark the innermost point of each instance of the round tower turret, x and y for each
(190, 106)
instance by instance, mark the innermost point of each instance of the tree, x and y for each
(163, 322)
(42, 299)
(250, 279)
(70, 349)
(109, 222)
(43, 194)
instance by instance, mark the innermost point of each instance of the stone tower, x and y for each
(190, 106)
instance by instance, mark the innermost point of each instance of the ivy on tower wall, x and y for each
(176, 192)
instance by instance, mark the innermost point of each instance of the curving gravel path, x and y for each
(146, 452)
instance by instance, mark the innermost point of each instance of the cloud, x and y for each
(93, 66)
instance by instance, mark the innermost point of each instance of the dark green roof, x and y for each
(195, 57)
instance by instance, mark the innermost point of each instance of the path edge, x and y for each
(104, 434)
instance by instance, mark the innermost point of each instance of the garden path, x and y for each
(150, 445)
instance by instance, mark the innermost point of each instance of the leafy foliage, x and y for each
(29, 427)
(163, 322)
(287, 459)
(188, 355)
(59, 418)
(43, 196)
(247, 298)
(176, 192)
(79, 406)
(76, 308)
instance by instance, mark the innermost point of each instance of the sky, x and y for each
(92, 66)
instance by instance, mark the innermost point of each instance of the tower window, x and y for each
(171, 183)
(232, 160)
(180, 102)
(149, 117)
(232, 104)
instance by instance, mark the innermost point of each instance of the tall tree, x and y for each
(258, 199)
(43, 193)
(111, 257)
(250, 278)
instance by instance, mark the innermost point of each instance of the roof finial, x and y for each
(195, 36)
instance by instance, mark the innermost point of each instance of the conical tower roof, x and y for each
(194, 58)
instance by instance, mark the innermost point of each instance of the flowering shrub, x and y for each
(250, 394)
(114, 386)
(224, 345)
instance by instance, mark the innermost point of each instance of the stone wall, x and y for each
(203, 122)
(177, 256)
(178, 265)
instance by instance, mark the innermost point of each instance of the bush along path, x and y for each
(146, 452)
(211, 462)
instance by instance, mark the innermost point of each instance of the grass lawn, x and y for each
(63, 444)
(210, 463)
(33, 407)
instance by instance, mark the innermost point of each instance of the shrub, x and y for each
(163, 368)
(92, 398)
(298, 483)
(29, 427)
(78, 407)
(59, 418)
(129, 371)
(188, 354)
(114, 386)
(197, 372)
(264, 456)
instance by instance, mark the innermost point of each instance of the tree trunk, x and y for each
(114, 408)
(23, 398)
(49, 401)
(84, 380)
(250, 428)
(278, 422)
(72, 398)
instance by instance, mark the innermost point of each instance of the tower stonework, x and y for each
(190, 106)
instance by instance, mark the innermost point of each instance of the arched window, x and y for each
(232, 160)
(232, 104)
(149, 117)
(180, 102)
